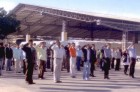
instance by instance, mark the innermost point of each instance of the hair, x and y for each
(30, 40)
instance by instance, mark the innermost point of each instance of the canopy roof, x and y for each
(42, 21)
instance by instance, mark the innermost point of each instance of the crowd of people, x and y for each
(29, 57)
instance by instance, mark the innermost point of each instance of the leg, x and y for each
(30, 72)
(117, 65)
(92, 69)
(24, 67)
(55, 69)
(112, 63)
(39, 68)
(74, 66)
(78, 59)
(1, 67)
(133, 66)
(68, 64)
(16, 65)
(44, 63)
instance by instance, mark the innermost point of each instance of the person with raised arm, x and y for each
(132, 54)
(58, 55)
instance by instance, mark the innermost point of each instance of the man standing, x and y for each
(87, 61)
(30, 61)
(113, 55)
(132, 55)
(72, 60)
(9, 57)
(58, 56)
(67, 57)
(79, 56)
(107, 54)
(18, 58)
(92, 60)
(42, 56)
(118, 59)
(2, 55)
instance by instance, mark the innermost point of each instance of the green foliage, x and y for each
(8, 24)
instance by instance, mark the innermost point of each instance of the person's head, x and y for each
(58, 42)
(62, 46)
(93, 46)
(17, 46)
(73, 44)
(1, 44)
(108, 45)
(79, 47)
(41, 44)
(88, 46)
(30, 43)
(34, 44)
(133, 46)
(68, 44)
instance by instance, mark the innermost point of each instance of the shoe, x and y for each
(133, 76)
(125, 73)
(31, 83)
(58, 81)
(92, 75)
(86, 79)
(108, 78)
(73, 77)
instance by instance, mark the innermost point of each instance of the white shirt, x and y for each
(88, 54)
(113, 54)
(132, 52)
(17, 54)
(24, 54)
(118, 55)
(58, 52)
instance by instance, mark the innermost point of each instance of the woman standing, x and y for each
(126, 61)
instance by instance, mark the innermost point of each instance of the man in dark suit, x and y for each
(67, 57)
(9, 57)
(30, 61)
(2, 55)
(92, 60)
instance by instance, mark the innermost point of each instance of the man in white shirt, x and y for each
(42, 57)
(132, 54)
(58, 55)
(118, 59)
(18, 58)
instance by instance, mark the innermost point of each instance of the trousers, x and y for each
(1, 63)
(41, 68)
(57, 64)
(73, 66)
(86, 70)
(17, 65)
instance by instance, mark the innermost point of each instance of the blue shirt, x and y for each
(79, 53)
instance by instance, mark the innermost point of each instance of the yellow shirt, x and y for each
(42, 53)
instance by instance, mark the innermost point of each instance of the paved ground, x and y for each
(11, 82)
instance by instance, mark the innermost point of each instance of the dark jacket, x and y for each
(29, 54)
(2, 52)
(8, 53)
(92, 55)
(67, 51)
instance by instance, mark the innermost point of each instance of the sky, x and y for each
(124, 8)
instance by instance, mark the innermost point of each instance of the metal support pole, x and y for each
(64, 32)
(124, 40)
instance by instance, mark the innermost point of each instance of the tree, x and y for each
(8, 24)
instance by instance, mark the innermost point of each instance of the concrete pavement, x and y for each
(12, 82)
